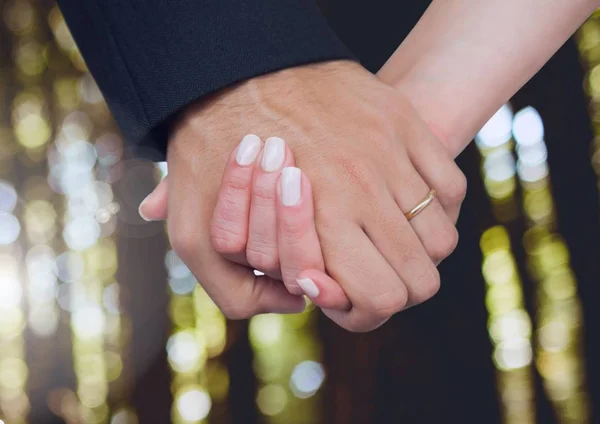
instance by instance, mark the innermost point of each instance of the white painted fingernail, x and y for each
(274, 154)
(309, 287)
(144, 217)
(248, 150)
(291, 186)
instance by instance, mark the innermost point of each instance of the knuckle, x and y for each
(263, 193)
(427, 286)
(389, 303)
(293, 230)
(455, 189)
(445, 244)
(236, 182)
(227, 239)
(262, 257)
(237, 310)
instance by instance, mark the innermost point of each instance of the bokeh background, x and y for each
(100, 321)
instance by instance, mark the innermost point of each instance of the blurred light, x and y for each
(532, 173)
(43, 320)
(265, 329)
(9, 266)
(185, 353)
(111, 298)
(13, 373)
(306, 379)
(511, 325)
(175, 266)
(554, 336)
(29, 57)
(182, 286)
(9, 228)
(164, 169)
(193, 404)
(498, 267)
(497, 131)
(513, 354)
(528, 127)
(69, 266)
(124, 416)
(532, 154)
(8, 197)
(88, 322)
(69, 296)
(499, 165)
(42, 287)
(81, 233)
(10, 293)
(271, 399)
(89, 91)
(32, 131)
(19, 16)
(109, 149)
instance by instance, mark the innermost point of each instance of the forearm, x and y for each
(464, 59)
(152, 58)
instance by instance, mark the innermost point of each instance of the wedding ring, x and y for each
(415, 211)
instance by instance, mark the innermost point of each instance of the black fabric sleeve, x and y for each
(151, 58)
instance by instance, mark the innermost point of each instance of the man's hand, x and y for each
(361, 144)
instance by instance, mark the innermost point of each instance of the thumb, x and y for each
(154, 206)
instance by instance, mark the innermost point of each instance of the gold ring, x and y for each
(415, 211)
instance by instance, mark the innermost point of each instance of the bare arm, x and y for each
(465, 58)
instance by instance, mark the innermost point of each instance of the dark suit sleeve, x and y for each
(151, 58)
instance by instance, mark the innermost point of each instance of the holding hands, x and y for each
(379, 162)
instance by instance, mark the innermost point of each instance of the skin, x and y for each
(360, 142)
(456, 76)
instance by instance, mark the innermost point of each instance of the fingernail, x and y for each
(274, 154)
(144, 217)
(248, 150)
(309, 287)
(290, 186)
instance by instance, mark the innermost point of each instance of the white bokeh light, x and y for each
(81, 233)
(498, 130)
(110, 298)
(69, 266)
(8, 197)
(528, 127)
(9, 228)
(11, 292)
(513, 354)
(184, 351)
(499, 165)
(193, 405)
(88, 322)
(306, 379)
(43, 320)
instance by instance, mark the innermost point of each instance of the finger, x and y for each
(299, 247)
(154, 206)
(440, 172)
(432, 225)
(261, 250)
(323, 290)
(399, 244)
(229, 226)
(234, 288)
(373, 287)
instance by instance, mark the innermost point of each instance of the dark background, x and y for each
(430, 364)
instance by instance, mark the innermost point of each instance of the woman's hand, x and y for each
(264, 219)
